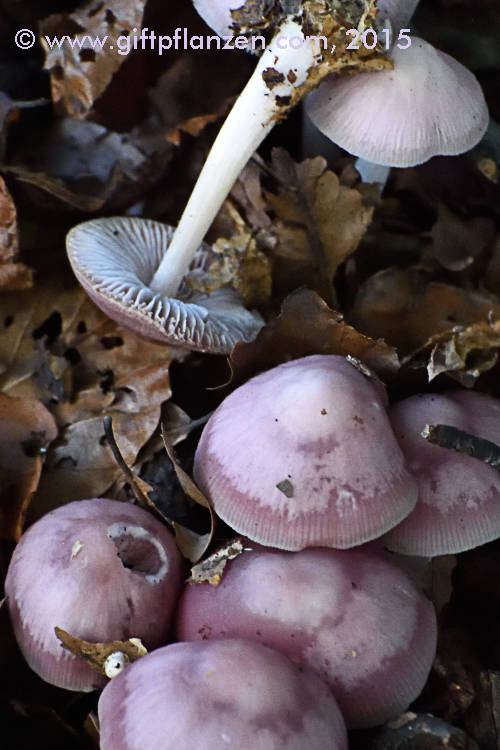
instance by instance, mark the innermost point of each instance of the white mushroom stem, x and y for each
(371, 172)
(252, 117)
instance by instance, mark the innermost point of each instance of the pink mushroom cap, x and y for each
(303, 455)
(458, 496)
(357, 620)
(429, 104)
(100, 569)
(203, 696)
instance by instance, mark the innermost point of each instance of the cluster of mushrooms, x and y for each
(316, 626)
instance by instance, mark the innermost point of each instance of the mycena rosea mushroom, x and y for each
(139, 285)
(303, 455)
(429, 104)
(115, 259)
(233, 694)
(458, 504)
(354, 618)
(100, 569)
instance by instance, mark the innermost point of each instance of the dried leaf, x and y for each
(83, 165)
(465, 353)
(97, 655)
(241, 264)
(212, 568)
(80, 73)
(319, 222)
(438, 580)
(192, 545)
(12, 275)
(457, 242)
(26, 430)
(407, 308)
(306, 325)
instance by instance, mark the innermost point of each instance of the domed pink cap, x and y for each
(233, 694)
(303, 455)
(100, 569)
(458, 496)
(354, 618)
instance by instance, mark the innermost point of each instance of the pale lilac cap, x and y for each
(458, 496)
(428, 105)
(304, 455)
(100, 569)
(357, 620)
(233, 694)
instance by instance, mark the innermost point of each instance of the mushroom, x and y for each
(115, 259)
(303, 455)
(429, 104)
(357, 620)
(232, 693)
(291, 65)
(458, 496)
(100, 569)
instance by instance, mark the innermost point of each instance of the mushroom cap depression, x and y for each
(304, 455)
(233, 694)
(428, 105)
(458, 504)
(115, 259)
(100, 569)
(354, 618)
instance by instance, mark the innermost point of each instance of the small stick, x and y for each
(447, 436)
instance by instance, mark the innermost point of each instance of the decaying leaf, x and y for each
(212, 568)
(58, 347)
(12, 275)
(458, 242)
(81, 71)
(85, 166)
(241, 264)
(306, 325)
(97, 655)
(26, 430)
(319, 222)
(437, 580)
(192, 545)
(464, 353)
(407, 308)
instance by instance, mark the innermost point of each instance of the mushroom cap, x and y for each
(354, 618)
(428, 105)
(303, 455)
(115, 259)
(100, 569)
(217, 13)
(458, 496)
(230, 693)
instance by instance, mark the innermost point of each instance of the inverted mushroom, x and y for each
(355, 619)
(458, 504)
(303, 455)
(115, 259)
(283, 75)
(233, 694)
